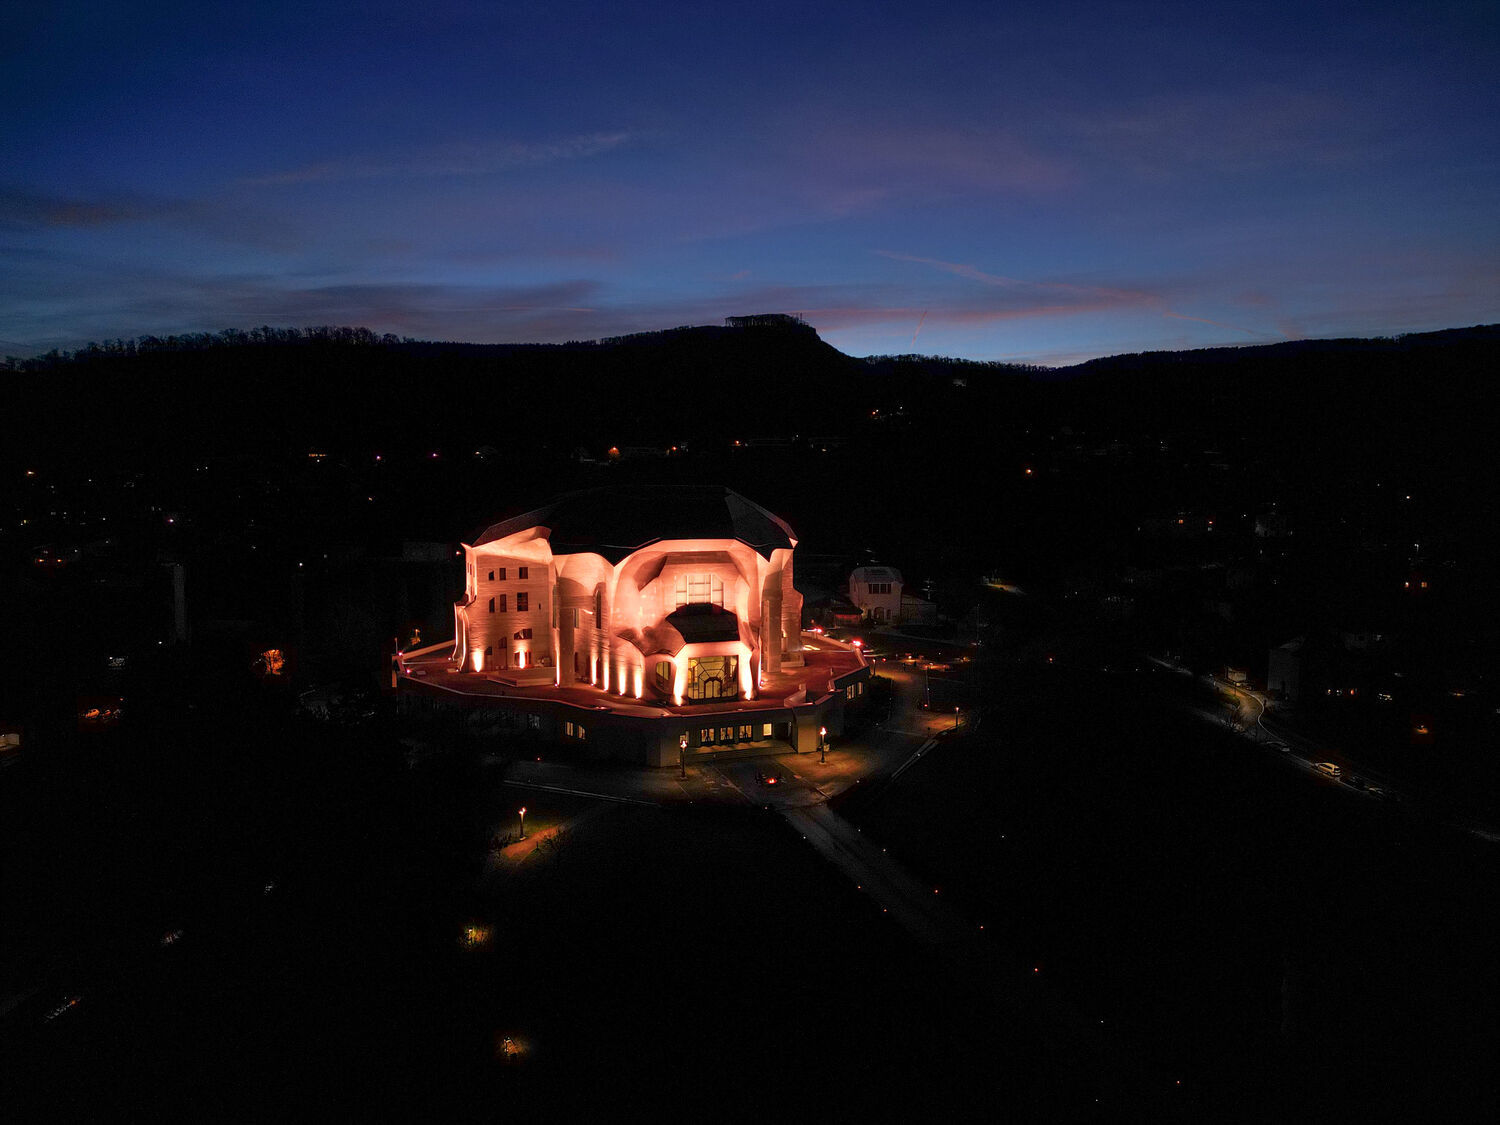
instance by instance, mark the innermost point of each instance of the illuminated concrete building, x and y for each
(674, 603)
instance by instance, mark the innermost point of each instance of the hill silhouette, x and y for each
(272, 391)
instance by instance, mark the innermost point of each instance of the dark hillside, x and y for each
(329, 394)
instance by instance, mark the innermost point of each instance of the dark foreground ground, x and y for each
(704, 962)
(1290, 949)
(1281, 948)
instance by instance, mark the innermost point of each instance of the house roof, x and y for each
(616, 521)
(875, 574)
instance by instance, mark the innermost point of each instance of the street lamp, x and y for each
(926, 687)
(682, 754)
(955, 718)
(523, 821)
(822, 745)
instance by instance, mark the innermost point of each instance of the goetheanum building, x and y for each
(670, 603)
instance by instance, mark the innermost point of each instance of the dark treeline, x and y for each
(274, 390)
(914, 442)
(202, 341)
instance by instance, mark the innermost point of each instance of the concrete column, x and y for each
(562, 647)
(770, 630)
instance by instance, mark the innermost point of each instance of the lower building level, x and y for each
(793, 711)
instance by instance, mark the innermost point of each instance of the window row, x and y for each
(522, 573)
(741, 732)
(878, 587)
(575, 730)
(498, 603)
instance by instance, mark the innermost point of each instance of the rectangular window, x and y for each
(699, 589)
(765, 730)
(520, 658)
(705, 736)
(523, 573)
(598, 608)
(502, 574)
(726, 734)
(522, 635)
(569, 728)
(523, 603)
(492, 605)
(492, 576)
(576, 617)
(747, 732)
(489, 650)
(534, 722)
(501, 599)
(849, 692)
(581, 732)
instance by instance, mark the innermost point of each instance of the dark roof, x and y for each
(700, 624)
(615, 521)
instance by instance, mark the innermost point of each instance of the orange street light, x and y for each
(523, 821)
(822, 745)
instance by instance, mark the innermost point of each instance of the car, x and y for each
(1376, 791)
(1328, 769)
(768, 777)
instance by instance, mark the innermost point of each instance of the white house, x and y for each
(876, 590)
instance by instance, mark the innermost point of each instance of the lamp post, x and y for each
(955, 718)
(822, 745)
(682, 754)
(523, 821)
(926, 688)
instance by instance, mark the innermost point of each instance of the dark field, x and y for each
(1286, 947)
(706, 961)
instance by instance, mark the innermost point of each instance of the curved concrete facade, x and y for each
(703, 615)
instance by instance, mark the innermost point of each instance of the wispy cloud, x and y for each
(1228, 131)
(25, 210)
(155, 303)
(873, 161)
(224, 220)
(1092, 294)
(454, 159)
(1215, 323)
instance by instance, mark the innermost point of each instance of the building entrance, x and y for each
(712, 677)
(728, 732)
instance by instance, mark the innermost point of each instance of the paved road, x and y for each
(1303, 753)
(910, 902)
(1073, 1041)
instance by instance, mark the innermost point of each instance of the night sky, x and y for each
(1036, 182)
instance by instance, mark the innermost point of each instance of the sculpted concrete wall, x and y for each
(591, 622)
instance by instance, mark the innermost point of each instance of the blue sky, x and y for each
(1028, 182)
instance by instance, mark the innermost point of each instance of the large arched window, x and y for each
(712, 677)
